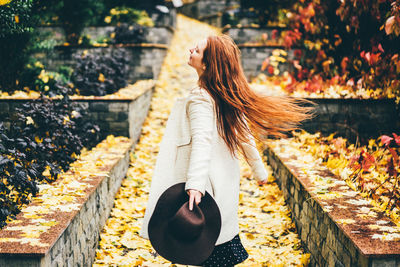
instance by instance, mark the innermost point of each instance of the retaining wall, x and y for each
(155, 35)
(201, 8)
(248, 34)
(67, 234)
(253, 55)
(121, 117)
(336, 225)
(352, 118)
(144, 60)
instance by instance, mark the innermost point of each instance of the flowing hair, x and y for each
(240, 110)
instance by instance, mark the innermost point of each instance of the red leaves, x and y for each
(291, 37)
(297, 53)
(344, 63)
(367, 161)
(389, 25)
(305, 15)
(371, 58)
(270, 69)
(274, 34)
(380, 48)
(386, 140)
(364, 160)
(393, 162)
(396, 138)
(265, 64)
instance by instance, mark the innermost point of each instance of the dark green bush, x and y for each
(137, 4)
(126, 33)
(263, 12)
(45, 134)
(76, 14)
(123, 14)
(47, 11)
(15, 17)
(16, 184)
(72, 15)
(35, 77)
(100, 74)
(15, 34)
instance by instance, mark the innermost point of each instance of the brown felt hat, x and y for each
(181, 235)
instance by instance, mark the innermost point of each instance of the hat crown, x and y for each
(187, 224)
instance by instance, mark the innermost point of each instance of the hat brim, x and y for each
(196, 251)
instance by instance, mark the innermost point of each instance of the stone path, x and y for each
(267, 231)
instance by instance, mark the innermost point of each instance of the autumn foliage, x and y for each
(45, 136)
(373, 169)
(350, 42)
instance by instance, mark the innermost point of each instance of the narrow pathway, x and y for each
(267, 231)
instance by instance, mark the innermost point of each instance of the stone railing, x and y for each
(336, 225)
(117, 116)
(61, 226)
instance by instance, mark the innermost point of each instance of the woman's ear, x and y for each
(204, 67)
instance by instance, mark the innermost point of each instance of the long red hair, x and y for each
(237, 105)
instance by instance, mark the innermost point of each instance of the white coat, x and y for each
(192, 151)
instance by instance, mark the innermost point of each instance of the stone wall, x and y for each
(252, 57)
(247, 34)
(352, 118)
(201, 8)
(73, 240)
(213, 19)
(144, 61)
(162, 19)
(117, 117)
(335, 223)
(155, 35)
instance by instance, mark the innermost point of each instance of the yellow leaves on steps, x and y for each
(267, 231)
(64, 195)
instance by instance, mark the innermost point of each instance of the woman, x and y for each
(206, 131)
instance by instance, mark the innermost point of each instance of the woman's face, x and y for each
(196, 56)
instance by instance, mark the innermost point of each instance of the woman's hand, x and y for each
(194, 195)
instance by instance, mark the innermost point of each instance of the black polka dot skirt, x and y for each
(227, 254)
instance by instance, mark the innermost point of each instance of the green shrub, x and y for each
(76, 14)
(15, 35)
(128, 15)
(36, 78)
(100, 74)
(15, 17)
(72, 15)
(125, 33)
(45, 135)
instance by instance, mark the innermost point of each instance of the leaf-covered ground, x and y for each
(365, 169)
(315, 87)
(267, 231)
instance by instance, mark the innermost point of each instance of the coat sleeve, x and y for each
(254, 159)
(201, 116)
